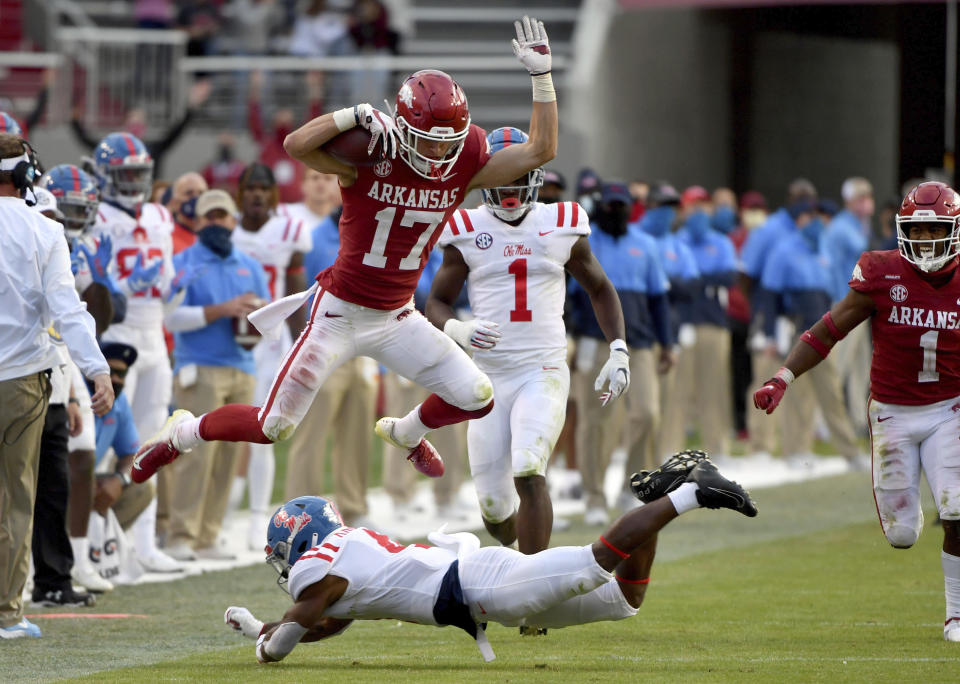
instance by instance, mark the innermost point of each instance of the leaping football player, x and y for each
(512, 253)
(337, 574)
(910, 296)
(393, 213)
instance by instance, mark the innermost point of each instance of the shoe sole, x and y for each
(671, 465)
(386, 433)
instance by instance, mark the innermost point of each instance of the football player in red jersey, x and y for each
(393, 214)
(912, 297)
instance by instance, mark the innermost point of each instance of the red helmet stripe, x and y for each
(76, 178)
(131, 148)
(506, 137)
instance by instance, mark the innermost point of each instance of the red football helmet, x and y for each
(930, 202)
(431, 107)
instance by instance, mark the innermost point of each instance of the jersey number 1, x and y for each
(520, 313)
(377, 256)
(928, 342)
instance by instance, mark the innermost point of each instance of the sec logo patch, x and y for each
(898, 293)
(484, 240)
(383, 168)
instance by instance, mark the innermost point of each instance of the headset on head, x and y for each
(23, 171)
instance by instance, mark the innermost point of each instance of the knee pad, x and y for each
(948, 503)
(495, 508)
(479, 396)
(278, 428)
(901, 536)
(527, 462)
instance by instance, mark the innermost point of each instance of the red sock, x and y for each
(435, 412)
(233, 423)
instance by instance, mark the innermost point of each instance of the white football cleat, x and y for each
(87, 577)
(158, 561)
(951, 631)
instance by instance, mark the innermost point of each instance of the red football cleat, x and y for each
(158, 451)
(426, 459)
(423, 456)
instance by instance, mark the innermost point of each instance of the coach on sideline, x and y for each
(36, 289)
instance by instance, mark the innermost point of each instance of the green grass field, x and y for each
(807, 591)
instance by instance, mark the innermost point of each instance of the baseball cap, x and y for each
(119, 350)
(752, 199)
(215, 199)
(662, 193)
(554, 177)
(827, 206)
(615, 191)
(695, 193)
(801, 206)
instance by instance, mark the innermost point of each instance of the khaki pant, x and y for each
(23, 409)
(851, 358)
(599, 428)
(763, 428)
(343, 411)
(699, 395)
(399, 477)
(132, 502)
(818, 387)
(200, 479)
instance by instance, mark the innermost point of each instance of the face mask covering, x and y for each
(656, 222)
(812, 232)
(225, 153)
(217, 240)
(698, 224)
(753, 218)
(189, 209)
(612, 219)
(724, 220)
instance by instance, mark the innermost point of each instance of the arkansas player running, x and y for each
(911, 298)
(336, 574)
(512, 253)
(279, 244)
(393, 214)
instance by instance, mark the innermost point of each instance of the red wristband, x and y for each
(832, 327)
(815, 342)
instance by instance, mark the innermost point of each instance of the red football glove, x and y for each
(768, 397)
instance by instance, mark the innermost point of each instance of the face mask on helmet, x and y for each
(433, 121)
(928, 255)
(512, 202)
(296, 527)
(124, 169)
(77, 197)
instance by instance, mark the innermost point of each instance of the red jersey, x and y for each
(916, 331)
(391, 219)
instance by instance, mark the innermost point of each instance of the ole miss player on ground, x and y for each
(912, 298)
(393, 213)
(513, 253)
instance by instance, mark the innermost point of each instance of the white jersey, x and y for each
(299, 211)
(273, 246)
(386, 579)
(149, 234)
(517, 278)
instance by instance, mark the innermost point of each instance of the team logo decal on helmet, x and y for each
(511, 202)
(297, 526)
(433, 119)
(936, 204)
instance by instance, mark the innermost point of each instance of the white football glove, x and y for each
(239, 619)
(475, 333)
(532, 47)
(615, 373)
(380, 126)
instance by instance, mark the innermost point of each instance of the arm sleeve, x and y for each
(159, 147)
(185, 319)
(33, 118)
(63, 302)
(660, 315)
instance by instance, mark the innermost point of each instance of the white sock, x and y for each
(951, 583)
(684, 497)
(409, 430)
(81, 551)
(260, 477)
(187, 435)
(144, 531)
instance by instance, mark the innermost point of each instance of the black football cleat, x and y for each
(651, 485)
(716, 491)
(57, 598)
